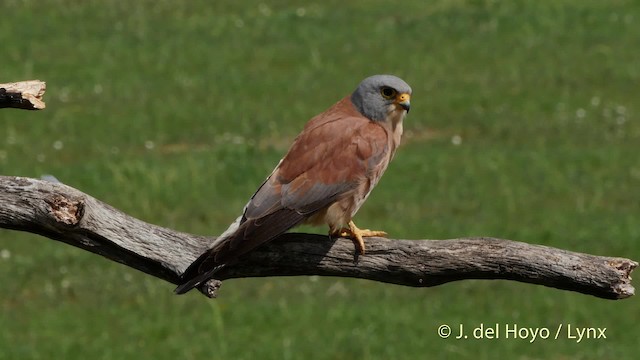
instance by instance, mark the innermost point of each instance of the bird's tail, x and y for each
(192, 278)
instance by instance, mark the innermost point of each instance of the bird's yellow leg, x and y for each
(356, 235)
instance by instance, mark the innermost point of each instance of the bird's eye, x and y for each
(388, 92)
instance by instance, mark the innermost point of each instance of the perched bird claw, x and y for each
(357, 235)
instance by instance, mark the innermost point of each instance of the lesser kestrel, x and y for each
(325, 177)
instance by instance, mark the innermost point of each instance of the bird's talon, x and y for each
(357, 235)
(358, 242)
(372, 233)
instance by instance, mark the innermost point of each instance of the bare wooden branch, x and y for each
(65, 214)
(23, 95)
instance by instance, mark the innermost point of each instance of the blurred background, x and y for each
(524, 125)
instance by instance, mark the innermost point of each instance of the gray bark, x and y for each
(65, 214)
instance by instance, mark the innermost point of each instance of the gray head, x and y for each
(380, 95)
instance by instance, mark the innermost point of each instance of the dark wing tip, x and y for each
(194, 274)
(197, 280)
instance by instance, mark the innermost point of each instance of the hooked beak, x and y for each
(403, 100)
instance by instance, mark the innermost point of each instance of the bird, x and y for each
(325, 177)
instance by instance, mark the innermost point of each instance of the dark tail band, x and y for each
(199, 279)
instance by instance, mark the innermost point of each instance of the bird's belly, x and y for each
(338, 214)
(335, 215)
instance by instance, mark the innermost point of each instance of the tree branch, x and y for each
(25, 95)
(65, 214)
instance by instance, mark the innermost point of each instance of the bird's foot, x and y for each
(357, 235)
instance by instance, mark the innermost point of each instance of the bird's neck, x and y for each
(394, 123)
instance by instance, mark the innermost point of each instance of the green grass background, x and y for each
(524, 125)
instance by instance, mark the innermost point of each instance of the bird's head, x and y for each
(382, 97)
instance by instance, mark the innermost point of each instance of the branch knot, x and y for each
(64, 210)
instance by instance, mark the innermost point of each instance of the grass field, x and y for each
(524, 125)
